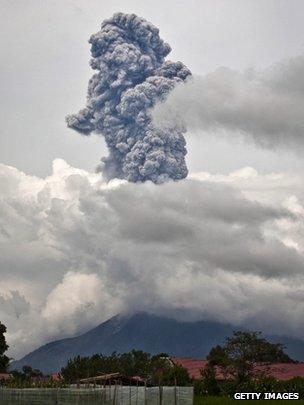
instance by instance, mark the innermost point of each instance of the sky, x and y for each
(225, 244)
(45, 70)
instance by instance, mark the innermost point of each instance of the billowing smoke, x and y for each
(266, 107)
(75, 250)
(132, 76)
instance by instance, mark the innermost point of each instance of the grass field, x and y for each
(228, 401)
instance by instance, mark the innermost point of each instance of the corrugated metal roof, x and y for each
(5, 376)
(280, 371)
(193, 366)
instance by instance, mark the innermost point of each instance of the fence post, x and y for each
(130, 394)
(145, 392)
(160, 395)
(56, 397)
(114, 395)
(136, 393)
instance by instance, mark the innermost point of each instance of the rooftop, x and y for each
(280, 371)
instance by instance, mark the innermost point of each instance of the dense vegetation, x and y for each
(4, 360)
(199, 400)
(156, 369)
(32, 378)
(241, 352)
(236, 359)
(227, 388)
(248, 346)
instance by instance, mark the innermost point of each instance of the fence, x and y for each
(108, 395)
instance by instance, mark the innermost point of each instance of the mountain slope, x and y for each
(153, 334)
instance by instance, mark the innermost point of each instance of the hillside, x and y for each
(153, 334)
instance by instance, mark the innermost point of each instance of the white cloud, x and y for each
(265, 107)
(76, 250)
(77, 302)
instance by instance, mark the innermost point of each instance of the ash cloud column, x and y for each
(132, 76)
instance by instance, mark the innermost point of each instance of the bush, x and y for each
(158, 369)
(262, 384)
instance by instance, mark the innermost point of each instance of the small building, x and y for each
(5, 377)
(56, 377)
(113, 378)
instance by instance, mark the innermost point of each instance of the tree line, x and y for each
(235, 360)
(156, 370)
(4, 360)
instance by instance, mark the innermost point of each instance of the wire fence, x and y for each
(108, 395)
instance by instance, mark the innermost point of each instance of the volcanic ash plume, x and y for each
(132, 76)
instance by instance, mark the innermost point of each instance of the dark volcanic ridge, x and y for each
(142, 331)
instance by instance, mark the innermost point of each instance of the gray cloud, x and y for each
(79, 250)
(265, 107)
(132, 77)
(14, 304)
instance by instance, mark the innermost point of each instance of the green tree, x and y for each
(236, 358)
(179, 375)
(77, 368)
(158, 369)
(210, 385)
(29, 372)
(4, 360)
(165, 372)
(135, 363)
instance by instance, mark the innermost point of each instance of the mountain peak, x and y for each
(141, 331)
